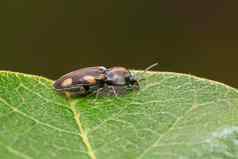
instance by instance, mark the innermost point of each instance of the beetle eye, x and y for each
(67, 82)
(132, 78)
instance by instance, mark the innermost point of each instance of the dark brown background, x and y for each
(50, 38)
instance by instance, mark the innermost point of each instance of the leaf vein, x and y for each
(81, 129)
(36, 120)
(165, 133)
(15, 152)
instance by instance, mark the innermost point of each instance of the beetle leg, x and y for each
(96, 95)
(98, 91)
(114, 91)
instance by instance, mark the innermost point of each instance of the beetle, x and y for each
(82, 81)
(112, 81)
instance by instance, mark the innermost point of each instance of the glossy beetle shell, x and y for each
(81, 79)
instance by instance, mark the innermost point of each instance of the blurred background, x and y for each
(51, 38)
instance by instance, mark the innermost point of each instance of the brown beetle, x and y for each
(112, 81)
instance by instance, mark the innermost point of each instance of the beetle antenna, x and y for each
(147, 69)
(150, 67)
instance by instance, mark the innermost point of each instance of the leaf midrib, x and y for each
(83, 134)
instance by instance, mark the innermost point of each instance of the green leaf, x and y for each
(173, 116)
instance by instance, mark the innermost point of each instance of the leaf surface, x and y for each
(173, 116)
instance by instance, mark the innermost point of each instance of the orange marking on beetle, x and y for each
(67, 82)
(90, 79)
